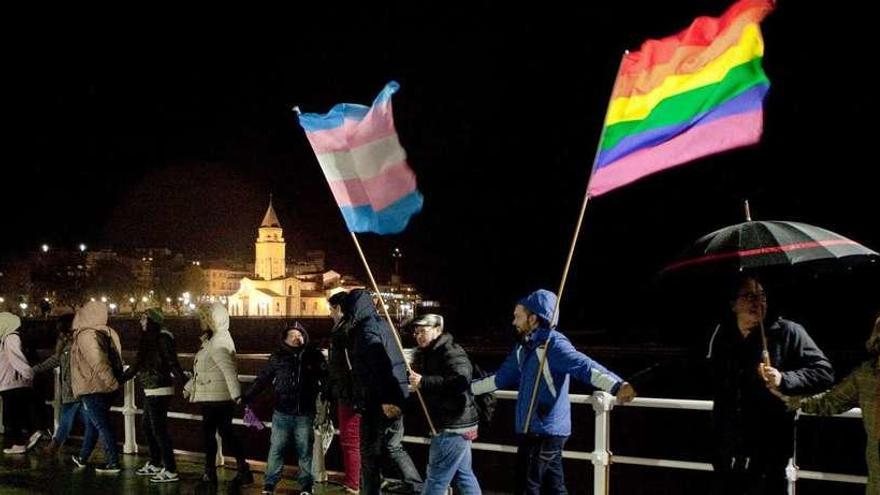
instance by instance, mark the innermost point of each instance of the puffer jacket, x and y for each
(156, 364)
(446, 374)
(92, 371)
(215, 376)
(15, 372)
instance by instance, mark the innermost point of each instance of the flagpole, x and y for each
(574, 239)
(393, 329)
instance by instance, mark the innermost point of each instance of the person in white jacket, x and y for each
(215, 386)
(16, 388)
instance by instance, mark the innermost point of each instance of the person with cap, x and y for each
(70, 404)
(380, 389)
(341, 388)
(155, 367)
(539, 453)
(16, 388)
(442, 371)
(215, 386)
(297, 371)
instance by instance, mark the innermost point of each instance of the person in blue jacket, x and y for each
(539, 453)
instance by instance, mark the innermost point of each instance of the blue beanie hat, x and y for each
(542, 302)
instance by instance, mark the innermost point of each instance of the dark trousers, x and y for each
(18, 414)
(155, 426)
(539, 465)
(217, 418)
(382, 438)
(753, 475)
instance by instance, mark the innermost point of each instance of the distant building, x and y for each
(270, 291)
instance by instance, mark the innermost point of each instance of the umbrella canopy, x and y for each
(761, 244)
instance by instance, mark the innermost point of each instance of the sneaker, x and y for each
(148, 469)
(268, 489)
(243, 478)
(79, 461)
(15, 449)
(164, 476)
(107, 469)
(350, 491)
(35, 437)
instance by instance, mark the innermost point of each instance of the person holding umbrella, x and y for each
(861, 388)
(752, 364)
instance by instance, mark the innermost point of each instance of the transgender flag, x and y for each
(685, 96)
(365, 165)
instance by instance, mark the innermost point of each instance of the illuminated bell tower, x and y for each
(270, 248)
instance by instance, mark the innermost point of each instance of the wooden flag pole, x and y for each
(565, 270)
(393, 329)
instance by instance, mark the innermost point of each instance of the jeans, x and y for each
(349, 443)
(301, 428)
(96, 409)
(155, 426)
(217, 418)
(65, 423)
(449, 460)
(381, 437)
(19, 414)
(539, 465)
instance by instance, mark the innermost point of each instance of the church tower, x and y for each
(270, 248)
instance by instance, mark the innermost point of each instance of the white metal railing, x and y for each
(601, 456)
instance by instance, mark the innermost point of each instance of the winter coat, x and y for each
(446, 374)
(215, 376)
(297, 374)
(339, 366)
(156, 364)
(379, 371)
(92, 368)
(15, 371)
(860, 389)
(747, 419)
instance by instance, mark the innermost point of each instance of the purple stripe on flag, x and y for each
(723, 134)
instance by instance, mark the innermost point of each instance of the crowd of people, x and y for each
(761, 376)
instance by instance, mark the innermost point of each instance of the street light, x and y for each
(82, 247)
(103, 299)
(144, 299)
(45, 248)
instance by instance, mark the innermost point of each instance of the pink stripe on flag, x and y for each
(380, 191)
(719, 135)
(378, 123)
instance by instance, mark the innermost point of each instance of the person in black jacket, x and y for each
(155, 367)
(341, 388)
(380, 388)
(753, 433)
(298, 372)
(442, 372)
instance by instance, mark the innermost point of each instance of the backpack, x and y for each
(485, 403)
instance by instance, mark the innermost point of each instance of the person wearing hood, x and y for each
(442, 372)
(70, 403)
(380, 387)
(155, 367)
(860, 389)
(539, 453)
(297, 372)
(16, 388)
(341, 389)
(96, 373)
(215, 386)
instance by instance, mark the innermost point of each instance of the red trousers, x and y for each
(350, 442)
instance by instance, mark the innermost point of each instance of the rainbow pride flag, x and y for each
(365, 165)
(689, 95)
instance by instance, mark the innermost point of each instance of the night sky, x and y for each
(144, 133)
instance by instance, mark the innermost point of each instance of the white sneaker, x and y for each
(164, 476)
(15, 449)
(148, 470)
(35, 437)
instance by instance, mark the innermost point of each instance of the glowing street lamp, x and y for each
(82, 247)
(45, 248)
(23, 306)
(145, 299)
(103, 299)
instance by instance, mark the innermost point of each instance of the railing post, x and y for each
(791, 474)
(219, 460)
(602, 404)
(56, 401)
(1, 415)
(129, 410)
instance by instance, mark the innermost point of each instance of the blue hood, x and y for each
(542, 302)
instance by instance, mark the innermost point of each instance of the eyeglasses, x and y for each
(752, 296)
